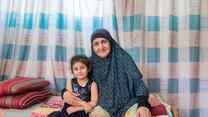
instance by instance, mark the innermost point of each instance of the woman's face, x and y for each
(101, 47)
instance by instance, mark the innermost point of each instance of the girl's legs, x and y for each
(98, 111)
(78, 114)
(56, 114)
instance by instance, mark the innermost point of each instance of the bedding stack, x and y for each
(22, 92)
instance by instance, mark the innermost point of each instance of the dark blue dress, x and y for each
(85, 94)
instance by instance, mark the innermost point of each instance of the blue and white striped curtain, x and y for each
(166, 38)
(38, 37)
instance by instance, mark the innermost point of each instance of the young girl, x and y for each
(81, 86)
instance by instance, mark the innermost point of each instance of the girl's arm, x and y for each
(94, 95)
(69, 97)
(88, 106)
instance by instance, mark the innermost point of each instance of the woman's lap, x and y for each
(98, 111)
(131, 112)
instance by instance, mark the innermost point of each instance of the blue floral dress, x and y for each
(85, 94)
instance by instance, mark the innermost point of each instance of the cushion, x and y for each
(21, 85)
(24, 100)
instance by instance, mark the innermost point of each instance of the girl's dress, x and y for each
(85, 94)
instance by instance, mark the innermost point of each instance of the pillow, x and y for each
(24, 100)
(21, 85)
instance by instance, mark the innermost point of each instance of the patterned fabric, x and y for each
(166, 38)
(85, 95)
(24, 100)
(85, 92)
(42, 112)
(47, 107)
(34, 111)
(21, 85)
(53, 102)
(157, 111)
(118, 78)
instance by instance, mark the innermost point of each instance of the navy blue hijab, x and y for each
(119, 80)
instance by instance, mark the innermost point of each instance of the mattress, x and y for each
(37, 110)
(55, 103)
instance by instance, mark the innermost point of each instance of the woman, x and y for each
(119, 80)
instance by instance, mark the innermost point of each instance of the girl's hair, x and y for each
(83, 59)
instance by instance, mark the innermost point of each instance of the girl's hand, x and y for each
(143, 112)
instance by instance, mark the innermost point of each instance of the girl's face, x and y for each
(80, 70)
(101, 47)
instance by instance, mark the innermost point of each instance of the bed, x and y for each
(54, 103)
(38, 110)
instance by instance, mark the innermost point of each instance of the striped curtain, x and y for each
(166, 38)
(38, 37)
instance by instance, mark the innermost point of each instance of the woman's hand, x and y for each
(143, 112)
(71, 99)
(87, 107)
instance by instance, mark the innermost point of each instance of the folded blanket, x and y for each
(21, 85)
(24, 100)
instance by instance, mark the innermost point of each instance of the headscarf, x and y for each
(118, 78)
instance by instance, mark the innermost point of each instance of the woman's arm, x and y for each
(88, 106)
(73, 109)
(140, 90)
(69, 97)
(138, 86)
